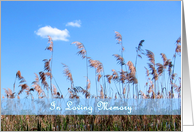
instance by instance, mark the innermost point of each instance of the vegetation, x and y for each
(123, 80)
(91, 123)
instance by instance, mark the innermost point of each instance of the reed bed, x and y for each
(90, 123)
(121, 81)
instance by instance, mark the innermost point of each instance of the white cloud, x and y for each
(55, 33)
(76, 23)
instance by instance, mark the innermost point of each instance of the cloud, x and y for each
(76, 23)
(55, 33)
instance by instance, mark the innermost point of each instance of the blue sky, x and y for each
(24, 26)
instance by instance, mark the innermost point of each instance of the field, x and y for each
(91, 123)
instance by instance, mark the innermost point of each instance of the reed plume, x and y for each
(170, 67)
(50, 47)
(177, 51)
(140, 45)
(83, 53)
(154, 72)
(68, 74)
(131, 77)
(98, 69)
(178, 40)
(99, 76)
(96, 64)
(48, 63)
(139, 51)
(143, 95)
(115, 75)
(101, 92)
(167, 63)
(19, 76)
(150, 55)
(89, 84)
(115, 96)
(173, 76)
(122, 76)
(178, 88)
(23, 84)
(43, 82)
(153, 95)
(132, 69)
(109, 77)
(120, 59)
(118, 37)
(55, 93)
(43, 79)
(116, 78)
(124, 90)
(37, 87)
(178, 48)
(147, 72)
(37, 78)
(28, 92)
(160, 68)
(23, 87)
(75, 90)
(54, 90)
(151, 65)
(9, 93)
(163, 57)
(82, 50)
(147, 76)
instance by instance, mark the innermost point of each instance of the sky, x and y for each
(25, 26)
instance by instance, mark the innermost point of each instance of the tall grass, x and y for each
(120, 81)
(90, 123)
